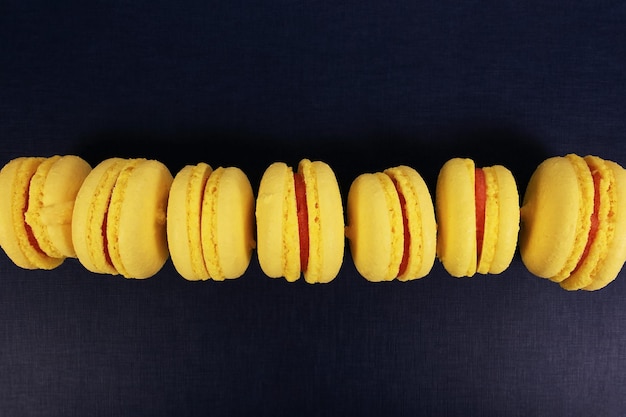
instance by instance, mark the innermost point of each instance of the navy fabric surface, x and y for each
(362, 85)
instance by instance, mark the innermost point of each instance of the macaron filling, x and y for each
(593, 230)
(480, 190)
(105, 240)
(406, 232)
(303, 216)
(29, 230)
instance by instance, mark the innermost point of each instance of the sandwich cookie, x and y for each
(300, 224)
(478, 216)
(118, 226)
(391, 225)
(574, 222)
(210, 222)
(36, 214)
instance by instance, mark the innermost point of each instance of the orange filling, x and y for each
(480, 189)
(105, 240)
(303, 219)
(407, 236)
(29, 230)
(593, 230)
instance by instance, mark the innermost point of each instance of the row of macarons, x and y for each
(128, 216)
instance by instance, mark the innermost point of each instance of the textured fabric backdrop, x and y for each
(362, 85)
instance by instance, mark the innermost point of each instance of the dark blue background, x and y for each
(362, 85)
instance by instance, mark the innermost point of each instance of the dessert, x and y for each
(36, 209)
(573, 222)
(118, 225)
(477, 211)
(53, 190)
(210, 222)
(300, 224)
(391, 225)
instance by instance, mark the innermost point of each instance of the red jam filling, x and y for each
(29, 231)
(303, 219)
(593, 230)
(480, 189)
(105, 240)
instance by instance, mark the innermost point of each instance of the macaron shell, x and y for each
(420, 215)
(278, 242)
(136, 231)
(456, 217)
(325, 221)
(35, 207)
(585, 272)
(500, 240)
(615, 255)
(89, 216)
(228, 223)
(586, 188)
(492, 222)
(184, 209)
(16, 237)
(549, 217)
(53, 191)
(374, 228)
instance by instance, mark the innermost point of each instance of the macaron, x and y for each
(36, 214)
(574, 222)
(300, 223)
(119, 219)
(391, 225)
(478, 216)
(210, 222)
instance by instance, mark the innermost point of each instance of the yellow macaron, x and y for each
(210, 222)
(53, 191)
(477, 211)
(36, 215)
(391, 225)
(118, 226)
(573, 221)
(300, 224)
